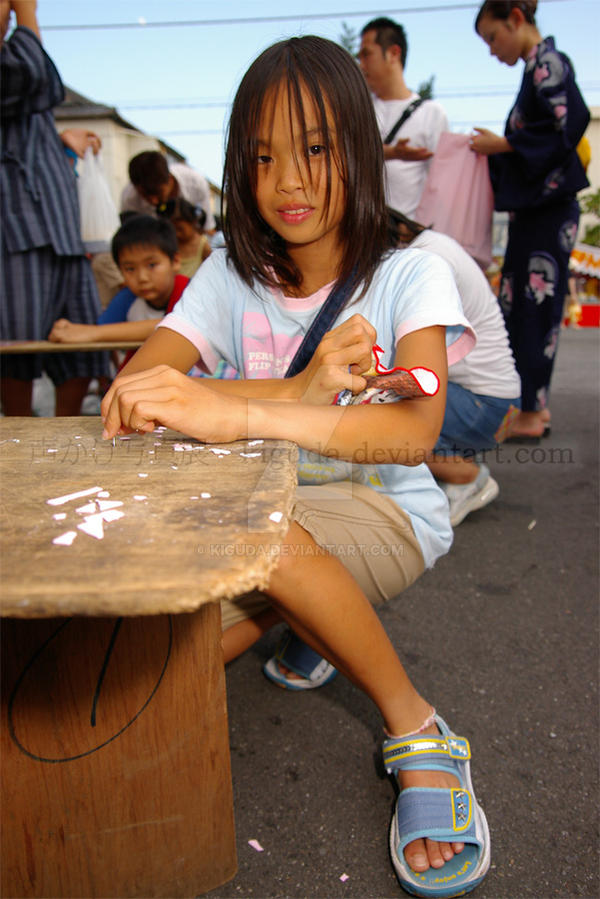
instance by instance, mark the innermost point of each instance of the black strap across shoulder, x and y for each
(321, 323)
(405, 115)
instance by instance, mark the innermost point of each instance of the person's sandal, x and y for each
(445, 815)
(293, 653)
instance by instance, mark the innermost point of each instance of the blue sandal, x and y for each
(294, 653)
(450, 815)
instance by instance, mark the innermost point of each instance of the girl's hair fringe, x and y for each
(335, 84)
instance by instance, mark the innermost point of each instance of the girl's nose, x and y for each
(289, 175)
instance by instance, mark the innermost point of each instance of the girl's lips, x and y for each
(293, 215)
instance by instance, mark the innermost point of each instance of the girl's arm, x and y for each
(343, 353)
(64, 331)
(402, 432)
(486, 143)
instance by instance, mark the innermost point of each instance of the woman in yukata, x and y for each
(535, 173)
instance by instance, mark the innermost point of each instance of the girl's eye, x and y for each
(263, 160)
(316, 150)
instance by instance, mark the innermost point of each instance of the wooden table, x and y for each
(115, 761)
(19, 347)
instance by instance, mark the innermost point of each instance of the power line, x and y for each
(448, 94)
(262, 20)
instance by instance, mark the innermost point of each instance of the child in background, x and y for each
(306, 213)
(146, 252)
(188, 221)
(483, 389)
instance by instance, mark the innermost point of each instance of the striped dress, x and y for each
(45, 274)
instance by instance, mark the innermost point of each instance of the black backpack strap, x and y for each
(405, 115)
(321, 323)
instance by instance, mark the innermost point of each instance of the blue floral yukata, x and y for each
(538, 183)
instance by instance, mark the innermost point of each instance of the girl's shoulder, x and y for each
(547, 65)
(217, 276)
(411, 263)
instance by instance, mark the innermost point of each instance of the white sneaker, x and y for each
(465, 498)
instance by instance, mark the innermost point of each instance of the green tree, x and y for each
(349, 39)
(425, 89)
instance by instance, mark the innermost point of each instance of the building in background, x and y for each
(120, 139)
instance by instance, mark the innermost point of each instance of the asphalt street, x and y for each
(502, 637)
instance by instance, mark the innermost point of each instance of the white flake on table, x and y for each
(60, 500)
(276, 516)
(255, 442)
(93, 525)
(220, 452)
(251, 455)
(65, 539)
(88, 509)
(142, 474)
(206, 495)
(140, 496)
(59, 516)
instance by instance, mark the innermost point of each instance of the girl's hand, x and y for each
(64, 331)
(486, 143)
(338, 362)
(164, 396)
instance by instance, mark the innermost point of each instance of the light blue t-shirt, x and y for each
(258, 331)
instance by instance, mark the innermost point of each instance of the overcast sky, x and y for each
(177, 81)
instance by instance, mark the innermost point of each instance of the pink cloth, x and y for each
(458, 199)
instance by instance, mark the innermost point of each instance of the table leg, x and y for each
(116, 778)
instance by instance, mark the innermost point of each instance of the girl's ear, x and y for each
(516, 18)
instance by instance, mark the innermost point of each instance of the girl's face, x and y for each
(291, 189)
(184, 230)
(503, 37)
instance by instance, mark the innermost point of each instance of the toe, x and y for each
(415, 854)
(436, 853)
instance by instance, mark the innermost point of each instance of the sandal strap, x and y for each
(442, 815)
(424, 752)
(296, 655)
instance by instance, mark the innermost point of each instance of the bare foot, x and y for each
(528, 424)
(423, 854)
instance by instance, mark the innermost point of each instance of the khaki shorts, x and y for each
(368, 532)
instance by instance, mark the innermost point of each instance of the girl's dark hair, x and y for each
(145, 231)
(501, 9)
(179, 208)
(396, 218)
(336, 86)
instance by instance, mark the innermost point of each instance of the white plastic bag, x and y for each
(99, 216)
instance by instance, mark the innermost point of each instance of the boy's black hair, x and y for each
(148, 170)
(501, 9)
(335, 85)
(145, 231)
(388, 34)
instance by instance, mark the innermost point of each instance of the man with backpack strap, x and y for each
(410, 127)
